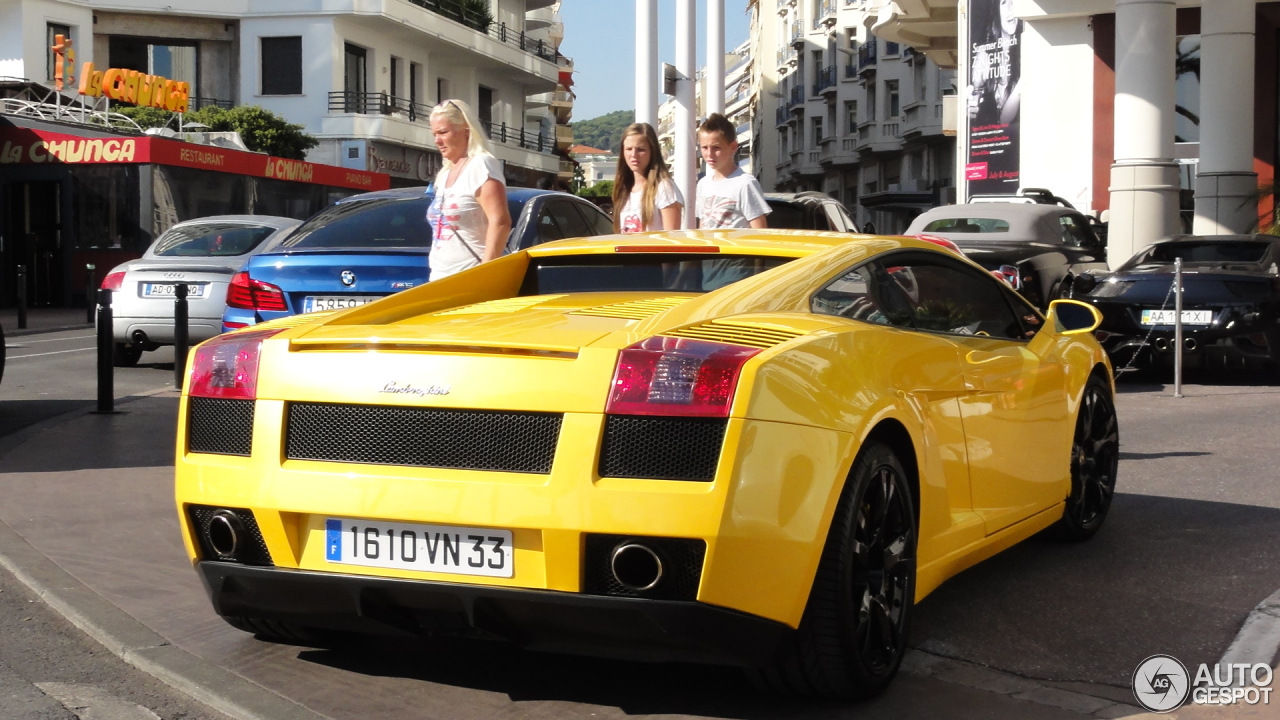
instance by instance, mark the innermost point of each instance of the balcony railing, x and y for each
(483, 23)
(376, 103)
(867, 55)
(826, 79)
(519, 137)
(851, 70)
(195, 103)
(797, 29)
(826, 14)
(797, 96)
(786, 55)
(782, 114)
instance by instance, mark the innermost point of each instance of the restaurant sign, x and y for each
(31, 146)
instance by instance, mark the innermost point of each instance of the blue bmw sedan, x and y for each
(368, 246)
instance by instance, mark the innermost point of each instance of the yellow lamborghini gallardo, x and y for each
(747, 447)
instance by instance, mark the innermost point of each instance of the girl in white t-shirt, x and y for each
(469, 217)
(644, 196)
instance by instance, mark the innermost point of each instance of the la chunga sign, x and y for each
(134, 87)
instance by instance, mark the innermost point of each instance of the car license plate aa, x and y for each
(315, 303)
(411, 546)
(194, 290)
(1166, 317)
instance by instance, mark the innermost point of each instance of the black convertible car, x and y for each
(1230, 303)
(1039, 249)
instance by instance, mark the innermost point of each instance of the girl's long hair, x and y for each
(623, 180)
(458, 114)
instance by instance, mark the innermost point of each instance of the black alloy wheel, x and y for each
(854, 631)
(1095, 458)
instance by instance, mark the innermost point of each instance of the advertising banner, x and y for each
(995, 68)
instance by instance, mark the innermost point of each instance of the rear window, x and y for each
(1206, 252)
(786, 216)
(375, 224)
(662, 272)
(211, 240)
(967, 225)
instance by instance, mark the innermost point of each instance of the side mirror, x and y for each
(1084, 283)
(1072, 317)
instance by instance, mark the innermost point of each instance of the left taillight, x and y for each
(227, 366)
(677, 376)
(113, 281)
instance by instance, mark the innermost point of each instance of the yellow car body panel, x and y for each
(989, 423)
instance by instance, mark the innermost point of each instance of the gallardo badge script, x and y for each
(392, 388)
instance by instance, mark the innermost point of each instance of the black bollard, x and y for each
(179, 334)
(22, 297)
(88, 292)
(106, 346)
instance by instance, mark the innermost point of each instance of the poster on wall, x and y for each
(995, 67)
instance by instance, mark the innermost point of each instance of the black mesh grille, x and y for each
(215, 425)
(661, 448)
(254, 549)
(681, 562)
(423, 437)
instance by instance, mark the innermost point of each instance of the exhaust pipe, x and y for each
(225, 533)
(636, 567)
(138, 338)
(1189, 343)
(1162, 344)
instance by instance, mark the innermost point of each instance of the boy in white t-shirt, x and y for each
(727, 197)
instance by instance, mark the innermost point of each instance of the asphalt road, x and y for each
(1188, 551)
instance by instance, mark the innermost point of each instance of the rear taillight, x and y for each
(677, 376)
(246, 293)
(227, 366)
(1009, 274)
(941, 241)
(113, 281)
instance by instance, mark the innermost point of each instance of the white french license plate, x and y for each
(194, 290)
(411, 546)
(316, 303)
(1168, 317)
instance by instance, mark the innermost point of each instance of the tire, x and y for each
(123, 355)
(1095, 457)
(281, 632)
(853, 633)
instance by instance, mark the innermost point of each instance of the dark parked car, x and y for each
(368, 246)
(1230, 303)
(1037, 248)
(808, 211)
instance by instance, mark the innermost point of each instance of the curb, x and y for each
(1259, 638)
(125, 637)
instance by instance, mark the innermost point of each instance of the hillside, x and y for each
(604, 132)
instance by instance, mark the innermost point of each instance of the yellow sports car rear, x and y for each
(756, 448)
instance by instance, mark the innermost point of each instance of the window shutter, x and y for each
(282, 65)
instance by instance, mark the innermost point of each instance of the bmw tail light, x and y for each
(246, 293)
(113, 281)
(941, 241)
(227, 366)
(677, 376)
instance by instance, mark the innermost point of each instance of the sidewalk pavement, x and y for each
(88, 522)
(43, 319)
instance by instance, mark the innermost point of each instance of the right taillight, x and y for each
(227, 366)
(677, 376)
(245, 293)
(113, 281)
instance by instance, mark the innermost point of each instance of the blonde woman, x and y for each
(644, 196)
(469, 217)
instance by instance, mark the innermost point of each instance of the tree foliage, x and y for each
(604, 132)
(604, 188)
(260, 129)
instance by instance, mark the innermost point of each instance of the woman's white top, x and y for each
(458, 223)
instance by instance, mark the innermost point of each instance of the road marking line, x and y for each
(32, 342)
(55, 352)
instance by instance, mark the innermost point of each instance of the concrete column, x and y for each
(647, 62)
(714, 99)
(685, 162)
(1225, 182)
(1144, 177)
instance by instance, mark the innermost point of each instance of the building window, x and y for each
(282, 65)
(396, 75)
(353, 69)
(485, 109)
(415, 78)
(173, 59)
(891, 98)
(921, 81)
(851, 114)
(890, 49)
(52, 31)
(782, 146)
(817, 131)
(442, 90)
(871, 101)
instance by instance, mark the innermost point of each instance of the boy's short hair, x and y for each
(717, 123)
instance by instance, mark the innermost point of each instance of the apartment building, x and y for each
(853, 115)
(361, 77)
(739, 105)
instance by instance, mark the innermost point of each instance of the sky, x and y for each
(600, 36)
